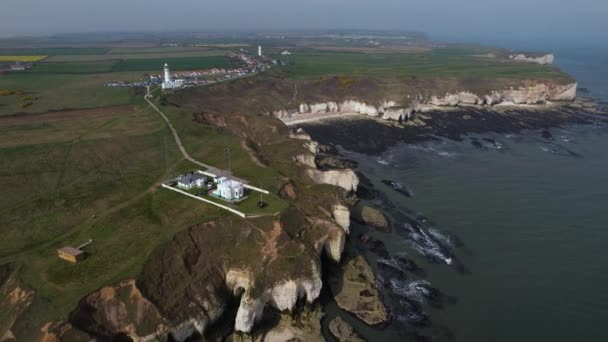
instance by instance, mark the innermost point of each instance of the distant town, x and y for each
(201, 77)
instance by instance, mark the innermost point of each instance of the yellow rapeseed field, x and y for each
(21, 58)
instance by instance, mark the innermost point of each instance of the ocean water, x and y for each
(531, 214)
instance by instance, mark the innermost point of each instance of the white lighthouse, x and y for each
(260, 50)
(167, 74)
(171, 84)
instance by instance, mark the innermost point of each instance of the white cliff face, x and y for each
(345, 179)
(283, 296)
(312, 146)
(332, 242)
(341, 215)
(546, 59)
(306, 159)
(531, 93)
(539, 93)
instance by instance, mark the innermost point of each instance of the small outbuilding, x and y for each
(70, 254)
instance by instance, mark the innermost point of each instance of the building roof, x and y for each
(230, 184)
(190, 178)
(70, 250)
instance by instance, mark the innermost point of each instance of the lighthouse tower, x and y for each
(167, 74)
(260, 50)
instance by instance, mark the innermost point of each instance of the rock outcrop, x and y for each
(341, 216)
(343, 331)
(545, 59)
(307, 159)
(373, 217)
(119, 309)
(353, 287)
(345, 179)
(304, 326)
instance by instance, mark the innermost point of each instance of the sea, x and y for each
(509, 235)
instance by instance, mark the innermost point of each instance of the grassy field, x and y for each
(54, 51)
(207, 143)
(74, 67)
(61, 91)
(167, 53)
(93, 174)
(163, 49)
(175, 63)
(96, 176)
(460, 63)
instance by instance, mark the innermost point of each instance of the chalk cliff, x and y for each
(545, 59)
(529, 93)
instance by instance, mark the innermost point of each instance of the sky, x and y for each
(449, 19)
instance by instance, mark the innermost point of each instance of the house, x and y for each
(229, 189)
(191, 180)
(285, 53)
(70, 254)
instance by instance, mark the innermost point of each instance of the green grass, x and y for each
(459, 63)
(174, 63)
(164, 49)
(61, 91)
(68, 180)
(207, 144)
(74, 67)
(248, 206)
(65, 181)
(165, 53)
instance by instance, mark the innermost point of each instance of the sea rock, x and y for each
(343, 331)
(353, 287)
(304, 326)
(345, 179)
(329, 162)
(373, 217)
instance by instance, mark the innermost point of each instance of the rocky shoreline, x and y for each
(373, 136)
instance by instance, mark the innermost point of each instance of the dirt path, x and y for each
(180, 145)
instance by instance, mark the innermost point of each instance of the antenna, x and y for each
(227, 157)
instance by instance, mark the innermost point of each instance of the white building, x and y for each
(168, 83)
(229, 189)
(191, 180)
(260, 50)
(285, 53)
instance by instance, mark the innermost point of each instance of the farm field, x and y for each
(458, 63)
(53, 51)
(175, 63)
(168, 53)
(21, 58)
(74, 67)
